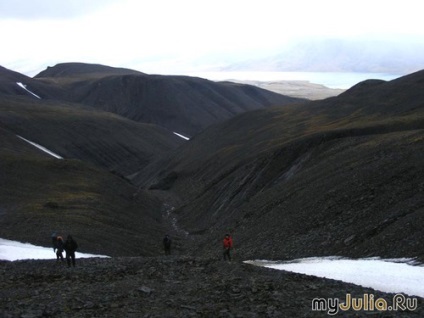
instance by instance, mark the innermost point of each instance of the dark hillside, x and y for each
(9, 75)
(76, 132)
(80, 192)
(82, 69)
(40, 195)
(9, 86)
(182, 104)
(394, 97)
(340, 176)
(178, 103)
(343, 176)
(367, 108)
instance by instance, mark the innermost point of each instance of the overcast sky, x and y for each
(185, 35)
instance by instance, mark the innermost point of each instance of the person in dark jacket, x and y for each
(167, 244)
(58, 248)
(228, 245)
(54, 241)
(70, 247)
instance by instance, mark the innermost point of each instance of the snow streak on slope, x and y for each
(51, 153)
(24, 87)
(179, 135)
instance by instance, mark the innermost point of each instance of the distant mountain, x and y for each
(72, 70)
(342, 55)
(342, 176)
(73, 110)
(182, 104)
(178, 103)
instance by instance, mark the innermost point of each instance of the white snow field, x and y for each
(387, 275)
(13, 251)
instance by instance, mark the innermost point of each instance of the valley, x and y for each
(287, 177)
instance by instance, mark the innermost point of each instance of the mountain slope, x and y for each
(81, 70)
(178, 103)
(76, 132)
(79, 195)
(40, 195)
(13, 83)
(341, 176)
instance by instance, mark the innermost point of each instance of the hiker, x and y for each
(228, 245)
(54, 241)
(167, 244)
(70, 247)
(59, 248)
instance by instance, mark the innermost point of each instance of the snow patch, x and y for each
(182, 136)
(24, 87)
(13, 251)
(387, 275)
(51, 153)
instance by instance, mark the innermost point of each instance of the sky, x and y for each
(167, 36)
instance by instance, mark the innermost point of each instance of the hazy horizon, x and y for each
(191, 36)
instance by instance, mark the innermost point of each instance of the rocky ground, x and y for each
(169, 286)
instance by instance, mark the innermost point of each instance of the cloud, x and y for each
(186, 34)
(49, 9)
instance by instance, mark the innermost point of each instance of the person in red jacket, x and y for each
(228, 245)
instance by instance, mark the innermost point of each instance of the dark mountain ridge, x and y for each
(182, 104)
(202, 104)
(368, 107)
(262, 170)
(72, 70)
(87, 191)
(9, 85)
(342, 176)
(178, 103)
